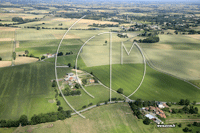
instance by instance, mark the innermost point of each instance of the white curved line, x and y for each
(56, 69)
(76, 66)
(144, 68)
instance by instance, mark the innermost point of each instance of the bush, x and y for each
(90, 104)
(0, 59)
(120, 91)
(147, 121)
(84, 106)
(43, 57)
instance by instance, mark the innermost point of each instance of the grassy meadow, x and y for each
(100, 93)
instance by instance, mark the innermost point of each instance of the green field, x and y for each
(157, 86)
(6, 50)
(26, 89)
(38, 48)
(109, 118)
(100, 93)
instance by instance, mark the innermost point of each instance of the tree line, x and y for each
(36, 119)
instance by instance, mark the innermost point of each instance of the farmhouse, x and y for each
(161, 105)
(155, 119)
(156, 110)
(91, 81)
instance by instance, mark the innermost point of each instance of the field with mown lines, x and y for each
(26, 89)
(6, 50)
(157, 86)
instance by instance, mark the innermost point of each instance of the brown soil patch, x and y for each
(51, 101)
(5, 63)
(7, 29)
(194, 36)
(79, 71)
(6, 39)
(17, 44)
(24, 60)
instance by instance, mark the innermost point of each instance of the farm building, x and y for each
(91, 81)
(161, 105)
(155, 119)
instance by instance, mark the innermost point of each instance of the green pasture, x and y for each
(100, 93)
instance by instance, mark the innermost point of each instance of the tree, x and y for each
(54, 83)
(176, 32)
(43, 57)
(14, 55)
(186, 129)
(187, 102)
(23, 120)
(180, 125)
(58, 103)
(194, 102)
(60, 108)
(0, 59)
(106, 41)
(182, 102)
(120, 91)
(61, 115)
(60, 53)
(77, 86)
(69, 64)
(84, 81)
(169, 104)
(26, 52)
(147, 121)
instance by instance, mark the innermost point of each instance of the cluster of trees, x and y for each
(67, 53)
(114, 99)
(50, 117)
(184, 102)
(36, 119)
(122, 36)
(152, 39)
(67, 92)
(21, 20)
(186, 129)
(186, 109)
(136, 109)
(135, 106)
(104, 25)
